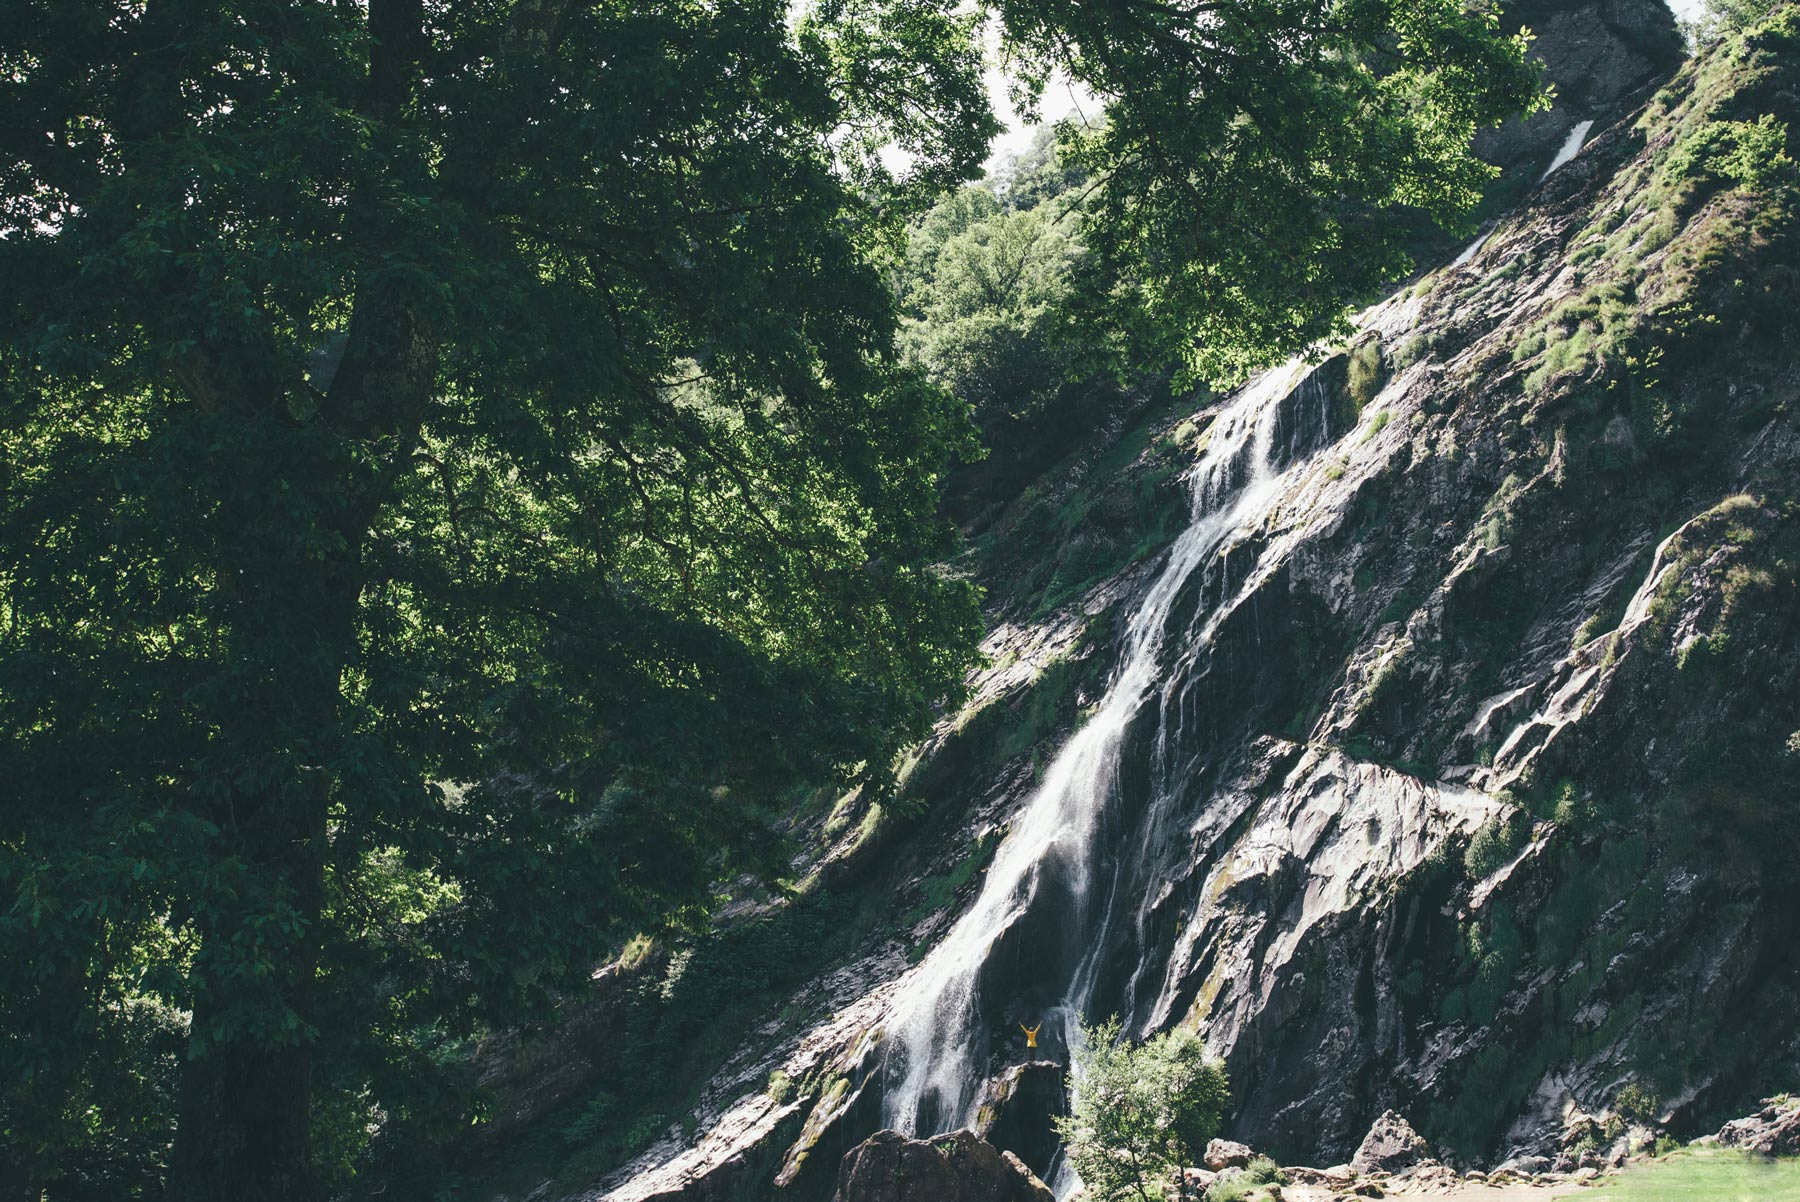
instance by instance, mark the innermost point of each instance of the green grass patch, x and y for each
(1367, 372)
(1704, 1176)
(938, 890)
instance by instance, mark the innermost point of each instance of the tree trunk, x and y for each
(245, 1127)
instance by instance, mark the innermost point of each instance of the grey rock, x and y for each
(1390, 1145)
(1226, 1154)
(1597, 54)
(1524, 1165)
(1773, 1130)
(1016, 1111)
(958, 1167)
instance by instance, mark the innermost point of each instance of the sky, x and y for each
(1061, 99)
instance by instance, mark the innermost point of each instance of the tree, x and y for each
(1256, 153)
(458, 482)
(1719, 18)
(1139, 1114)
(993, 312)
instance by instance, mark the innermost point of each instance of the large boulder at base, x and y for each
(958, 1167)
(1018, 1110)
(1225, 1154)
(1390, 1146)
(1772, 1131)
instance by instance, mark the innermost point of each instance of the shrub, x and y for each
(593, 1119)
(1637, 1103)
(1263, 1171)
(1235, 1184)
(1368, 372)
(1138, 1114)
(1230, 1186)
(1493, 845)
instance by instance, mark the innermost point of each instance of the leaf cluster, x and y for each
(1140, 1113)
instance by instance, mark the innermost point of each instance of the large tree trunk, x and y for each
(244, 1129)
(246, 1126)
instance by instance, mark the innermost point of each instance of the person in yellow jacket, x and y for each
(1031, 1034)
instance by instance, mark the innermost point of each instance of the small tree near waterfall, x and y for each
(1139, 1113)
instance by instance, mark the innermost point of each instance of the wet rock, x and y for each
(1596, 54)
(1772, 1131)
(959, 1167)
(1015, 1115)
(1390, 1145)
(1226, 1154)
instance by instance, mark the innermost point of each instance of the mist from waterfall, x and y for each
(937, 1047)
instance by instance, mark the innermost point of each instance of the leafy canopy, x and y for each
(1140, 1113)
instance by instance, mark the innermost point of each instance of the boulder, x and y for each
(1525, 1166)
(1433, 1175)
(1016, 1111)
(1772, 1131)
(1226, 1154)
(1390, 1146)
(958, 1167)
(1337, 1177)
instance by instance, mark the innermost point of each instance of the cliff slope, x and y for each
(1462, 784)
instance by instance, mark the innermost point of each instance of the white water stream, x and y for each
(1570, 148)
(937, 1044)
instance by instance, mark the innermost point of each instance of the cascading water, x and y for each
(937, 1044)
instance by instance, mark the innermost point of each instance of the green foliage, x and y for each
(1368, 372)
(1249, 1181)
(1636, 1102)
(1716, 1176)
(991, 308)
(1750, 154)
(462, 486)
(1139, 1113)
(1189, 271)
(1495, 844)
(464, 402)
(1722, 18)
(596, 1115)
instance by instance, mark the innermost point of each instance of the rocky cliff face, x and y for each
(1464, 787)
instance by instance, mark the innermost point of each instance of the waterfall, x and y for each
(936, 1050)
(1570, 148)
